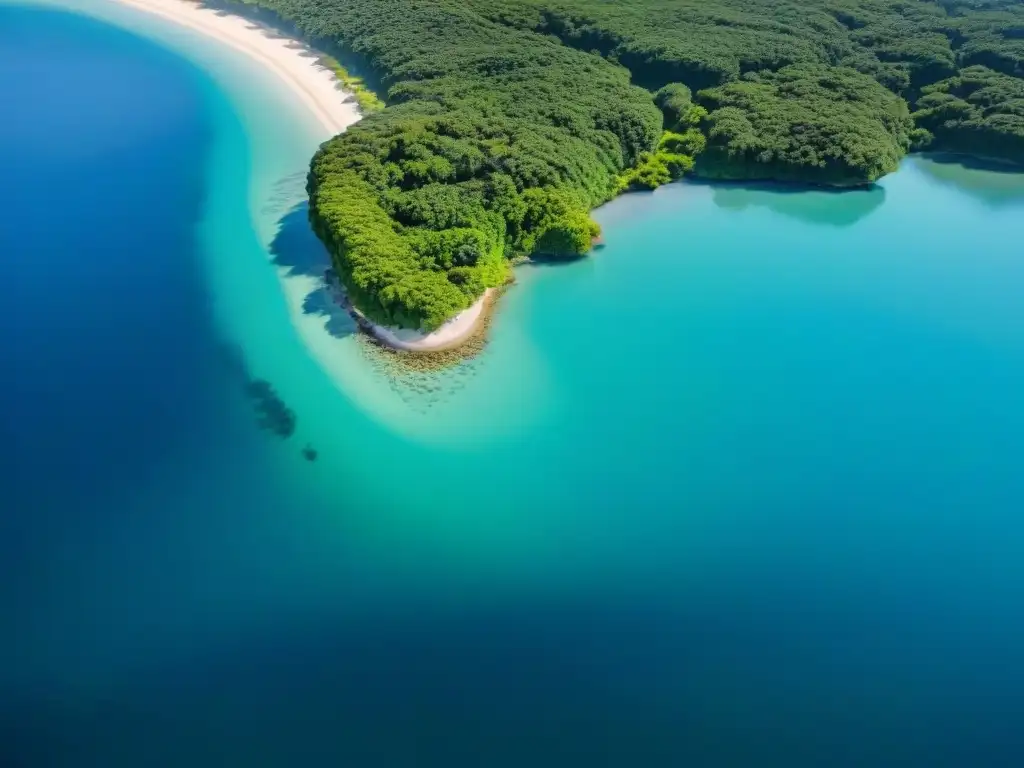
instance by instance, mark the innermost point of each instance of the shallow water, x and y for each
(741, 489)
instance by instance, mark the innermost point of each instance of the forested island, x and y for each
(504, 122)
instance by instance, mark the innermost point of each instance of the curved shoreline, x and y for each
(291, 60)
(456, 332)
(299, 67)
(452, 334)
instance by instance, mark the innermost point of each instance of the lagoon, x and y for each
(742, 488)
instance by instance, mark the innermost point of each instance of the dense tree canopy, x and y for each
(804, 123)
(978, 111)
(508, 120)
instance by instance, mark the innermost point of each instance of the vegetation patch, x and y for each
(802, 123)
(507, 121)
(978, 112)
(367, 100)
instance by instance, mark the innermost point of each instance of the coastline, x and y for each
(451, 335)
(292, 61)
(301, 69)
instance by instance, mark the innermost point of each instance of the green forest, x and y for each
(506, 121)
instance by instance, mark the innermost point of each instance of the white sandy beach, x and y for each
(293, 62)
(457, 330)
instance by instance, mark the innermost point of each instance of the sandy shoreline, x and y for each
(290, 60)
(452, 334)
(298, 67)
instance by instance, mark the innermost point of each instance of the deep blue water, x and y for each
(116, 385)
(778, 527)
(110, 366)
(103, 318)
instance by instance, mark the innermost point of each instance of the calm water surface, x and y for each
(742, 489)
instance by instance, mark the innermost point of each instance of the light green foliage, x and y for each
(650, 173)
(367, 100)
(669, 162)
(556, 224)
(691, 143)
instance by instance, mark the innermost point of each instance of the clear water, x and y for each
(742, 489)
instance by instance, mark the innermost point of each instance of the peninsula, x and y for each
(507, 121)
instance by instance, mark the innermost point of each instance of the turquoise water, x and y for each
(741, 489)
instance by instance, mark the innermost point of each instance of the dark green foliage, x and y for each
(804, 123)
(993, 36)
(507, 120)
(674, 100)
(978, 112)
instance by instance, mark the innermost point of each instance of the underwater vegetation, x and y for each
(271, 412)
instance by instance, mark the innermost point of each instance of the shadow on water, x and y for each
(298, 250)
(811, 205)
(994, 184)
(295, 247)
(554, 260)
